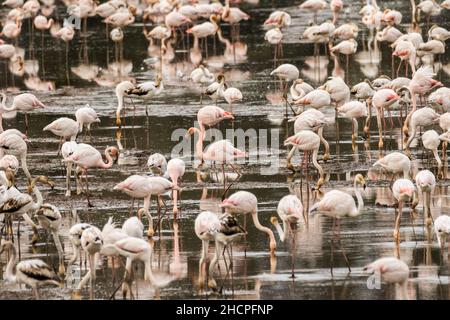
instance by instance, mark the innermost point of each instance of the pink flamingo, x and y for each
(404, 191)
(87, 157)
(25, 103)
(175, 169)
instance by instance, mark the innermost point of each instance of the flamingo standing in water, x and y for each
(221, 151)
(65, 128)
(290, 211)
(306, 140)
(313, 120)
(337, 205)
(244, 202)
(421, 118)
(13, 143)
(175, 169)
(204, 30)
(86, 116)
(391, 270)
(201, 76)
(353, 110)
(86, 157)
(24, 103)
(442, 229)
(33, 273)
(382, 99)
(395, 163)
(315, 6)
(426, 183)
(286, 72)
(431, 141)
(404, 191)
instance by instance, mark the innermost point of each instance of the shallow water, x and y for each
(257, 275)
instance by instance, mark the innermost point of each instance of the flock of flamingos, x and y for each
(411, 90)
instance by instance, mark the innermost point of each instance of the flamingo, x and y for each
(338, 204)
(431, 141)
(442, 229)
(426, 183)
(175, 169)
(11, 165)
(66, 34)
(232, 95)
(65, 128)
(121, 92)
(86, 116)
(157, 163)
(353, 110)
(205, 29)
(201, 76)
(216, 89)
(24, 103)
(75, 233)
(336, 7)
(382, 99)
(274, 37)
(440, 100)
(299, 89)
(86, 157)
(278, 18)
(33, 273)
(313, 120)
(212, 115)
(404, 191)
(12, 143)
(346, 31)
(144, 187)
(438, 33)
(406, 51)
(317, 99)
(49, 219)
(421, 83)
(346, 47)
(147, 90)
(306, 141)
(290, 211)
(286, 72)
(135, 249)
(221, 151)
(244, 202)
(395, 163)
(314, 5)
(391, 270)
(133, 227)
(91, 242)
(421, 118)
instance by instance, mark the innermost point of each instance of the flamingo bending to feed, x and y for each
(312, 120)
(223, 230)
(391, 270)
(49, 219)
(135, 249)
(317, 99)
(404, 191)
(421, 83)
(306, 140)
(290, 211)
(33, 273)
(426, 183)
(442, 229)
(75, 233)
(353, 110)
(337, 205)
(431, 141)
(421, 118)
(86, 156)
(232, 95)
(244, 202)
(395, 163)
(133, 227)
(286, 72)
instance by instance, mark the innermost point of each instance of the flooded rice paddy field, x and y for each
(257, 274)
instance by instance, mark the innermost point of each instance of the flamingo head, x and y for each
(227, 115)
(359, 179)
(228, 203)
(113, 152)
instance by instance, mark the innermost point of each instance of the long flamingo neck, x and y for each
(199, 144)
(316, 164)
(265, 230)
(359, 198)
(280, 231)
(109, 161)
